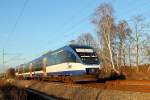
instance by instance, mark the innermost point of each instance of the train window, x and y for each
(17, 70)
(51, 60)
(26, 68)
(88, 56)
(61, 57)
(66, 56)
(72, 57)
(37, 66)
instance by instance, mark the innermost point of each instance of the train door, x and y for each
(30, 69)
(44, 67)
(23, 69)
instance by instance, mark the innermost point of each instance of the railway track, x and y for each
(132, 86)
(129, 85)
(122, 85)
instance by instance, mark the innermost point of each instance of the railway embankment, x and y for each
(9, 91)
(79, 91)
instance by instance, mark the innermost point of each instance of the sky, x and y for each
(29, 28)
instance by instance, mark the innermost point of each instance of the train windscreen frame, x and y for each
(87, 55)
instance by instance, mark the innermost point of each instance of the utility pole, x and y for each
(3, 55)
(4, 61)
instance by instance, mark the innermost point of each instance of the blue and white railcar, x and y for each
(70, 60)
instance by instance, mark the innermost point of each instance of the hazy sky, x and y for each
(49, 24)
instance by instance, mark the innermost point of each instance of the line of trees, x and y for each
(118, 44)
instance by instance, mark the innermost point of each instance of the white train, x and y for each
(71, 62)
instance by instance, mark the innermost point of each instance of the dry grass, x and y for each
(141, 72)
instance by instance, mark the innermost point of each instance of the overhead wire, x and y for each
(73, 26)
(76, 24)
(75, 15)
(17, 21)
(111, 2)
(15, 26)
(80, 22)
(129, 9)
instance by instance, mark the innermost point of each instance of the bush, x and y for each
(10, 73)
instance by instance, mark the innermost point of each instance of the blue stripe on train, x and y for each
(71, 73)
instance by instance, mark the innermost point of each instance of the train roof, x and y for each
(79, 46)
(71, 45)
(50, 52)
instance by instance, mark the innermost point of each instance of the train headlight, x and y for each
(92, 70)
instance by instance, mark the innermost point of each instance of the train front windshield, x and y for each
(87, 55)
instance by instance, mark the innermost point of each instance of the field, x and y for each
(137, 73)
(136, 85)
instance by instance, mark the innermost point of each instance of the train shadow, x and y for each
(112, 76)
(103, 80)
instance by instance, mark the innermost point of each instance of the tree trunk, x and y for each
(124, 56)
(130, 52)
(108, 42)
(137, 47)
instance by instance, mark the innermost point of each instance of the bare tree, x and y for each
(86, 39)
(148, 47)
(139, 27)
(123, 32)
(130, 42)
(148, 52)
(144, 49)
(10, 73)
(104, 21)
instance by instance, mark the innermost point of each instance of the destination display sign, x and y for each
(84, 50)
